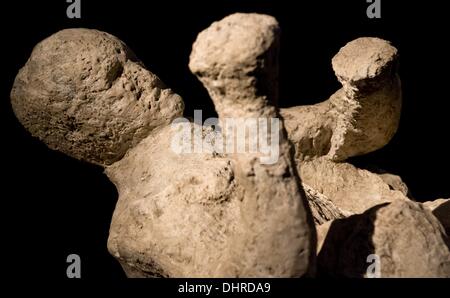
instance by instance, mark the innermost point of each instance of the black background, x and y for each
(53, 206)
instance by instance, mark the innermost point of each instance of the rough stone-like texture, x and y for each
(406, 236)
(215, 215)
(193, 224)
(395, 182)
(350, 189)
(204, 215)
(83, 92)
(322, 208)
(228, 59)
(360, 117)
(441, 209)
(176, 213)
(236, 59)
